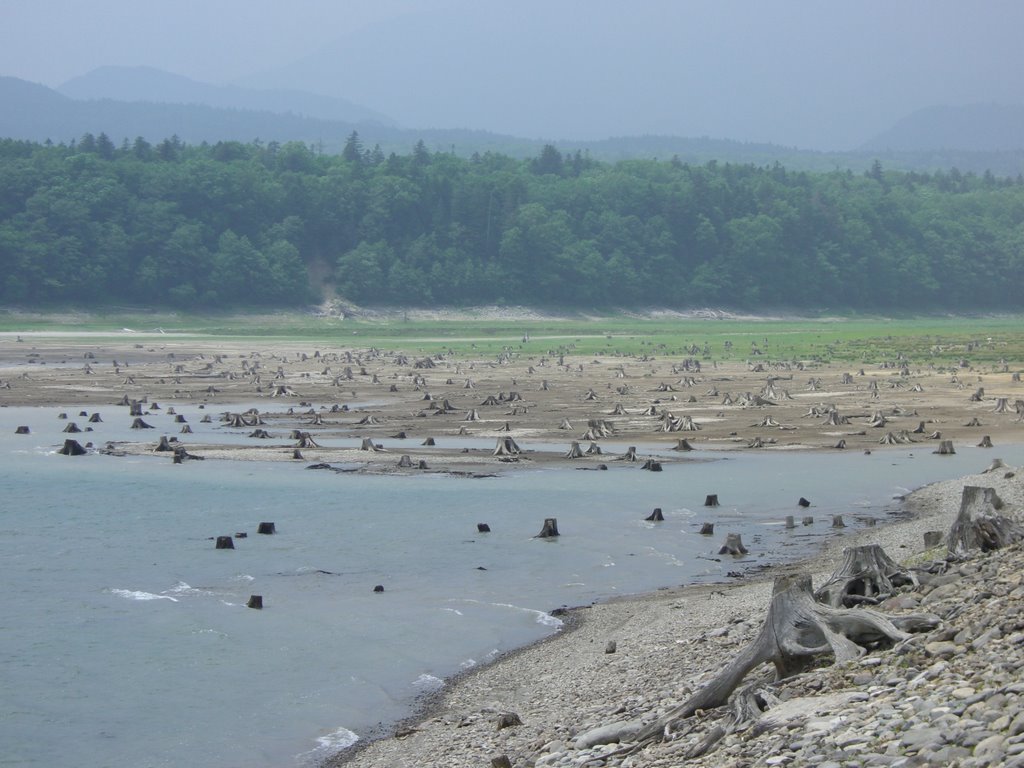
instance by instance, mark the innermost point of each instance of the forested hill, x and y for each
(245, 225)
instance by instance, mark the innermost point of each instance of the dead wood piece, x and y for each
(549, 530)
(733, 545)
(978, 524)
(866, 575)
(795, 630)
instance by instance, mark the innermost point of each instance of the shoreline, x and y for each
(480, 694)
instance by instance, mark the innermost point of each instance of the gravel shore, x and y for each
(950, 697)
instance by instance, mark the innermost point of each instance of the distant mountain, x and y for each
(37, 113)
(148, 84)
(975, 127)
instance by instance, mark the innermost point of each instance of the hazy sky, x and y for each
(810, 73)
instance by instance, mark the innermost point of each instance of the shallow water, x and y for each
(126, 640)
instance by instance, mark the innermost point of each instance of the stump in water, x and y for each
(978, 524)
(711, 500)
(837, 521)
(682, 445)
(945, 448)
(186, 430)
(72, 428)
(266, 529)
(506, 447)
(225, 542)
(549, 530)
(651, 465)
(164, 445)
(260, 434)
(790, 522)
(429, 441)
(807, 520)
(306, 441)
(95, 419)
(795, 630)
(72, 448)
(297, 454)
(840, 445)
(986, 442)
(996, 464)
(630, 454)
(255, 601)
(369, 445)
(22, 431)
(180, 455)
(574, 452)
(655, 516)
(804, 502)
(405, 462)
(733, 545)
(867, 576)
(483, 528)
(138, 423)
(707, 529)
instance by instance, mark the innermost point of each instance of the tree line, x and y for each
(268, 224)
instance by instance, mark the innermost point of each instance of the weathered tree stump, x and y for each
(655, 516)
(164, 445)
(945, 448)
(790, 522)
(550, 529)
(225, 542)
(630, 454)
(72, 448)
(72, 428)
(733, 545)
(138, 423)
(711, 500)
(611, 646)
(651, 465)
(978, 524)
(707, 529)
(378, 588)
(932, 539)
(837, 521)
(506, 446)
(841, 445)
(483, 528)
(804, 502)
(986, 442)
(807, 520)
(574, 452)
(255, 601)
(267, 529)
(22, 431)
(368, 445)
(795, 630)
(867, 575)
(682, 445)
(405, 462)
(95, 419)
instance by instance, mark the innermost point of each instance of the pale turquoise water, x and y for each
(124, 636)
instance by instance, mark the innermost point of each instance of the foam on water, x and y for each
(327, 745)
(427, 682)
(132, 594)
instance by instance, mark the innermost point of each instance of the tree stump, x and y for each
(267, 529)
(429, 441)
(225, 542)
(483, 528)
(72, 448)
(711, 500)
(945, 448)
(807, 520)
(790, 522)
(978, 524)
(655, 516)
(837, 521)
(574, 452)
(986, 442)
(651, 465)
(682, 445)
(804, 502)
(138, 423)
(255, 601)
(550, 529)
(405, 462)
(95, 419)
(733, 545)
(795, 630)
(72, 428)
(164, 445)
(630, 454)
(867, 575)
(707, 529)
(22, 431)
(932, 539)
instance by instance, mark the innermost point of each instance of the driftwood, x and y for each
(867, 576)
(795, 630)
(979, 524)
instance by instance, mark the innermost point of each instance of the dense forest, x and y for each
(232, 224)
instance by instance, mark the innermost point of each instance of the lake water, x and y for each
(125, 638)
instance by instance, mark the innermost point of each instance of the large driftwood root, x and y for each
(796, 630)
